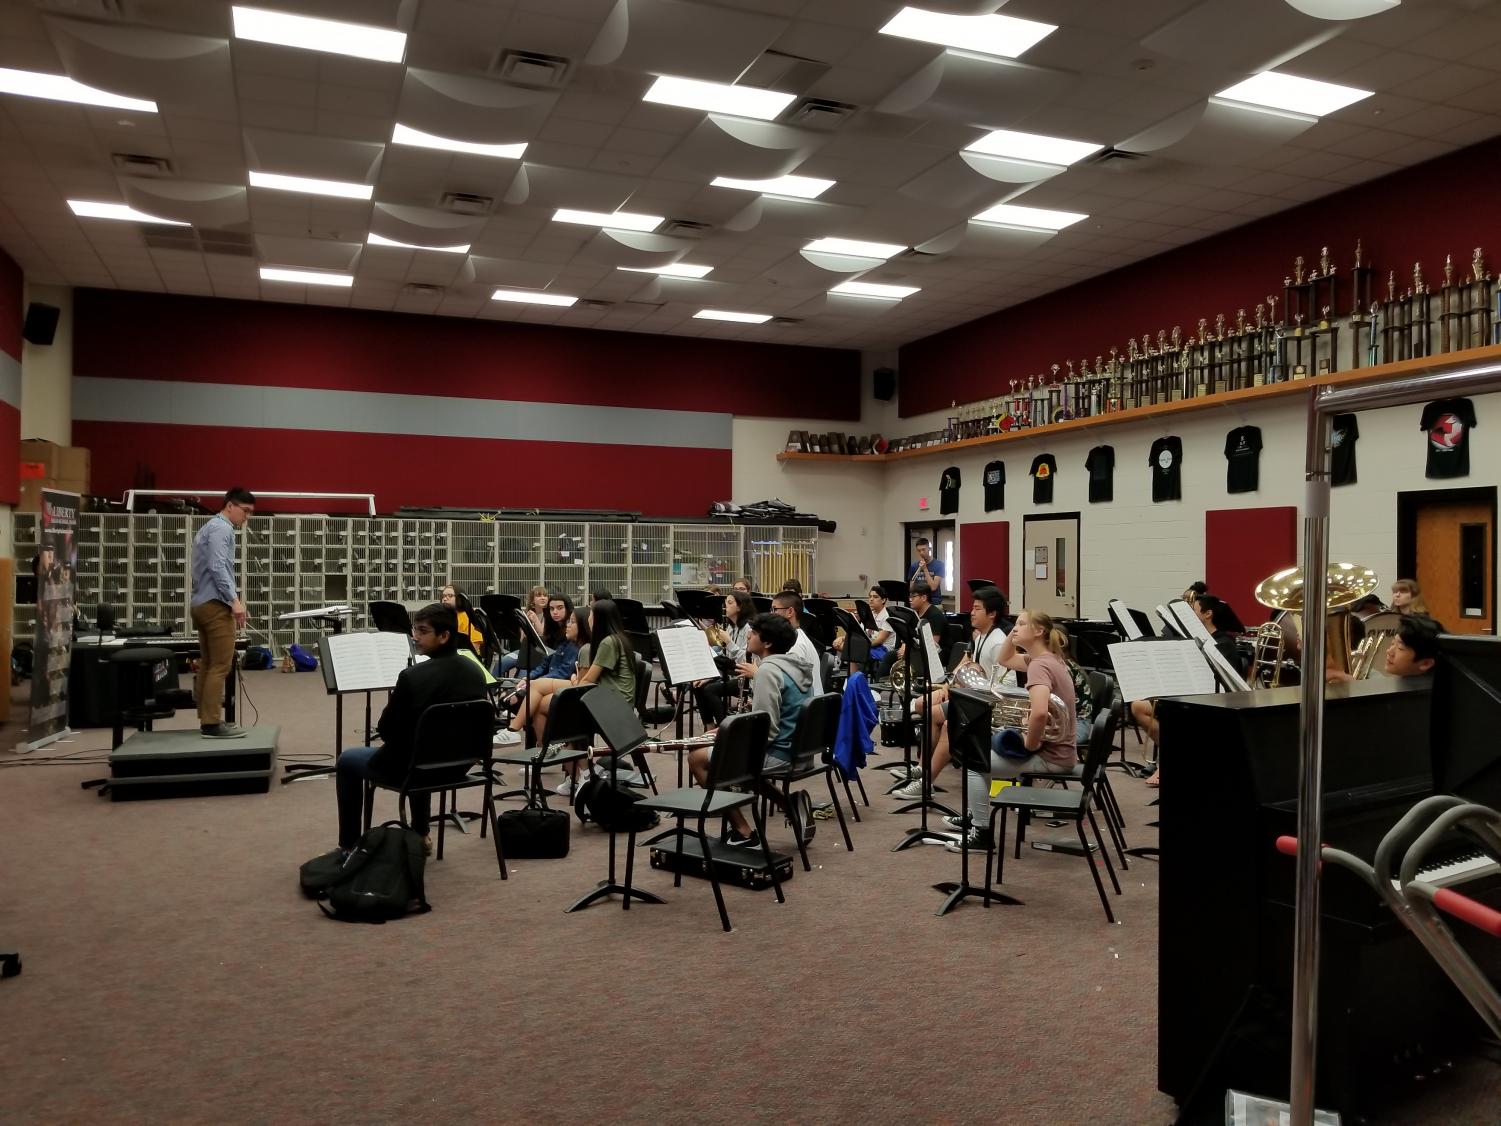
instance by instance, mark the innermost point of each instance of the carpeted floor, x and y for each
(174, 974)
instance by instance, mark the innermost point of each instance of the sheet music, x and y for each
(1169, 623)
(1124, 618)
(936, 675)
(1227, 673)
(686, 655)
(364, 662)
(1188, 621)
(1163, 668)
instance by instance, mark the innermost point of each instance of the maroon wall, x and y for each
(1446, 206)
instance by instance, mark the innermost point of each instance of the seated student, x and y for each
(554, 629)
(555, 673)
(878, 637)
(783, 685)
(991, 644)
(1038, 646)
(454, 599)
(788, 604)
(744, 583)
(795, 586)
(442, 679)
(710, 694)
(1413, 652)
(1407, 597)
(612, 666)
(535, 608)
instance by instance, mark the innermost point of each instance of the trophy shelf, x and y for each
(1248, 395)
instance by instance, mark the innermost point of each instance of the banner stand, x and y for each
(52, 646)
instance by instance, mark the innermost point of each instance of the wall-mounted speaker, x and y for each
(884, 381)
(41, 323)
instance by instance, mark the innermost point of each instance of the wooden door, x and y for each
(1454, 552)
(1050, 565)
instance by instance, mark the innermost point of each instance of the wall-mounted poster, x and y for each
(52, 647)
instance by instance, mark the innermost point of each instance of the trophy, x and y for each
(1357, 254)
(1417, 279)
(1324, 319)
(1373, 351)
(1325, 266)
(1391, 286)
(1240, 322)
(1298, 270)
(1203, 325)
(1272, 303)
(1260, 316)
(1477, 266)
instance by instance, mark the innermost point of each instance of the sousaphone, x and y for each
(1345, 584)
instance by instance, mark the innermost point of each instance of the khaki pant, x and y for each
(215, 623)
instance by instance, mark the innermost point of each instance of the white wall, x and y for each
(1144, 552)
(47, 373)
(852, 494)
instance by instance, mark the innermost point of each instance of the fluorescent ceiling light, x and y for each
(796, 187)
(1039, 218)
(1293, 94)
(305, 277)
(374, 239)
(871, 289)
(676, 270)
(1005, 36)
(87, 210)
(406, 135)
(312, 187)
(724, 315)
(612, 220)
(855, 247)
(1034, 147)
(531, 297)
(61, 88)
(333, 36)
(715, 97)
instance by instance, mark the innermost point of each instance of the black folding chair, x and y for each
(450, 741)
(1065, 805)
(565, 739)
(734, 767)
(812, 755)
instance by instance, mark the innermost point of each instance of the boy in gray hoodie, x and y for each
(783, 684)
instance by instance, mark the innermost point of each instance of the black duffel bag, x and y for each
(534, 834)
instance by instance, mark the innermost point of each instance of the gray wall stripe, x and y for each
(294, 408)
(10, 380)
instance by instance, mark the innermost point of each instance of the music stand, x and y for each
(632, 615)
(977, 585)
(895, 590)
(762, 603)
(856, 643)
(500, 608)
(969, 743)
(390, 617)
(620, 728)
(903, 623)
(918, 667)
(531, 645)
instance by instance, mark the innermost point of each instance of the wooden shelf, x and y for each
(1243, 397)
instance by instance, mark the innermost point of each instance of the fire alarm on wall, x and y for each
(922, 503)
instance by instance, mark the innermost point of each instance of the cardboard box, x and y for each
(31, 493)
(57, 463)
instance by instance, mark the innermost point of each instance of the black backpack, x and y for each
(612, 808)
(381, 879)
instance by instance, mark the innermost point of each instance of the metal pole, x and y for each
(1311, 784)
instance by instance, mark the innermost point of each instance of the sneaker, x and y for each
(977, 839)
(955, 823)
(905, 773)
(735, 840)
(222, 731)
(505, 737)
(800, 816)
(912, 791)
(565, 788)
(427, 845)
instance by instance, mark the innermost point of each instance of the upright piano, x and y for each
(1225, 950)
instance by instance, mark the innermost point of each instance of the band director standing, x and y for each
(217, 610)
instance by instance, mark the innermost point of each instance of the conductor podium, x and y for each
(161, 764)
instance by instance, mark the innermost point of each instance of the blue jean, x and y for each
(354, 769)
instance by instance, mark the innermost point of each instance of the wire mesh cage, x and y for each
(705, 555)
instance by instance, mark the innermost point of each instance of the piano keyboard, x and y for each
(1471, 866)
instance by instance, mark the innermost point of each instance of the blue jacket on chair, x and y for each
(856, 720)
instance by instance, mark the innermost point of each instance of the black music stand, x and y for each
(903, 624)
(895, 590)
(762, 603)
(969, 743)
(977, 585)
(917, 666)
(296, 771)
(856, 643)
(620, 728)
(390, 617)
(500, 609)
(531, 645)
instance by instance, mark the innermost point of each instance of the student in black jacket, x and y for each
(444, 678)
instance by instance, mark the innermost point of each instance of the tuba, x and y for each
(1346, 584)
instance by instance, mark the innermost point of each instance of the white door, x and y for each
(1050, 565)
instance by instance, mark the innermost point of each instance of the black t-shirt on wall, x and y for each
(1449, 422)
(1243, 452)
(1344, 431)
(1166, 460)
(1101, 467)
(1044, 468)
(948, 491)
(995, 486)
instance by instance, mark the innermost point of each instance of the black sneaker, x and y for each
(735, 840)
(222, 731)
(955, 823)
(800, 816)
(977, 839)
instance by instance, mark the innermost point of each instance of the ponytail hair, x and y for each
(1054, 636)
